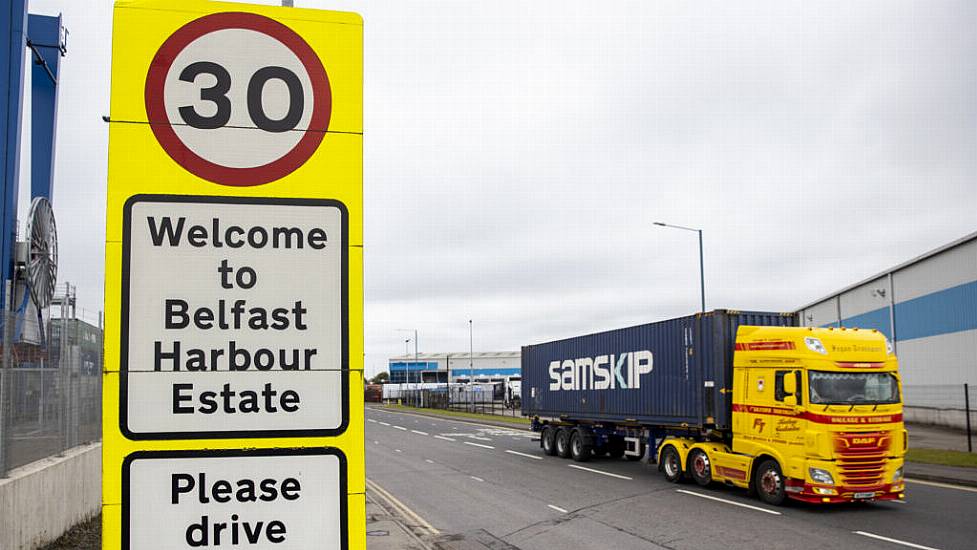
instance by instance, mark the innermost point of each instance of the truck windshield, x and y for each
(859, 388)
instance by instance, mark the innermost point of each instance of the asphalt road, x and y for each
(495, 486)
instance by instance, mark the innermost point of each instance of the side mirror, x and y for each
(790, 400)
(790, 385)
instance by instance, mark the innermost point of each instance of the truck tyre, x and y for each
(548, 440)
(580, 450)
(563, 443)
(700, 468)
(671, 464)
(769, 482)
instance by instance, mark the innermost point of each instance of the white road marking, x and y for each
(372, 486)
(419, 432)
(480, 438)
(398, 450)
(893, 541)
(478, 445)
(477, 479)
(384, 423)
(375, 442)
(599, 472)
(429, 461)
(734, 503)
(943, 485)
(444, 438)
(534, 457)
(371, 420)
(558, 509)
(401, 428)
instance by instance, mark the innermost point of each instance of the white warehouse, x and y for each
(492, 366)
(927, 307)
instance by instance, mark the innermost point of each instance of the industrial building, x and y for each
(457, 367)
(927, 307)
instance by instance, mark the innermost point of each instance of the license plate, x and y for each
(864, 495)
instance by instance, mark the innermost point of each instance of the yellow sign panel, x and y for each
(232, 390)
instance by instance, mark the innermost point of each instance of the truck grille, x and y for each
(862, 457)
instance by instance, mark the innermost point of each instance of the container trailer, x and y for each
(747, 399)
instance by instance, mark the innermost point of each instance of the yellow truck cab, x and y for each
(816, 417)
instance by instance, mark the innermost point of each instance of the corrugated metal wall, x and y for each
(929, 308)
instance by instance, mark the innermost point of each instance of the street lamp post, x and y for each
(702, 276)
(407, 351)
(471, 366)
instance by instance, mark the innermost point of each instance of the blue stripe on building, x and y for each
(942, 312)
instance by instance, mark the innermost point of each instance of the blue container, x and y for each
(668, 373)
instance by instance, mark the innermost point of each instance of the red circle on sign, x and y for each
(227, 175)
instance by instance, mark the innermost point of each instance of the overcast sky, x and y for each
(516, 155)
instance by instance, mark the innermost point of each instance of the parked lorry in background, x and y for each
(747, 399)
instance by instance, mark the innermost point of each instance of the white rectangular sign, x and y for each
(234, 317)
(266, 498)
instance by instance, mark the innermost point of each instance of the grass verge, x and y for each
(942, 457)
(461, 414)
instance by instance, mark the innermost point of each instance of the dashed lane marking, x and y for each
(444, 438)
(476, 478)
(429, 461)
(893, 541)
(371, 420)
(401, 428)
(600, 472)
(419, 432)
(558, 509)
(478, 445)
(384, 423)
(734, 503)
(534, 457)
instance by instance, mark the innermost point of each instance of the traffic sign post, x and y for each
(232, 389)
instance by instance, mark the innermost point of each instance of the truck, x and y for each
(744, 399)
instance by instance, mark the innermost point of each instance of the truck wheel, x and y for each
(579, 450)
(671, 464)
(563, 443)
(769, 482)
(548, 441)
(700, 469)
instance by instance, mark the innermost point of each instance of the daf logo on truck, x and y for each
(604, 372)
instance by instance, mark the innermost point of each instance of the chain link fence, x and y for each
(50, 384)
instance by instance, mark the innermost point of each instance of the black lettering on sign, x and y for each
(217, 94)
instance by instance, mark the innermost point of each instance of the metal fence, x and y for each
(477, 400)
(950, 405)
(50, 384)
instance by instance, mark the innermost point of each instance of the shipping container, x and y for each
(669, 373)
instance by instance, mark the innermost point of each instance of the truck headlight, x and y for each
(898, 475)
(821, 476)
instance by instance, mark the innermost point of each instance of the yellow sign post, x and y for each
(233, 379)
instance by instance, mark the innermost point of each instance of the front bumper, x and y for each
(799, 489)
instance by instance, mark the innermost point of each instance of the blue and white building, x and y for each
(494, 366)
(928, 308)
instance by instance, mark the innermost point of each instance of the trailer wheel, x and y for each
(548, 441)
(580, 450)
(700, 469)
(563, 443)
(671, 464)
(770, 482)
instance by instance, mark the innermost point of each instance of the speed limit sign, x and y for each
(234, 279)
(238, 98)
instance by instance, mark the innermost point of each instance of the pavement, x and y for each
(387, 528)
(480, 486)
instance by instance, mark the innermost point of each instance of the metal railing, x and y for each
(482, 402)
(50, 385)
(945, 398)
